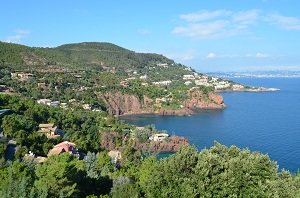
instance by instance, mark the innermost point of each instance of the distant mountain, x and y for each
(258, 74)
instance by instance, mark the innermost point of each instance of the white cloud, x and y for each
(204, 15)
(211, 55)
(261, 55)
(258, 55)
(216, 24)
(284, 22)
(187, 55)
(224, 23)
(214, 29)
(18, 36)
(246, 17)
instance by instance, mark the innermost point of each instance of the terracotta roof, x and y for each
(62, 147)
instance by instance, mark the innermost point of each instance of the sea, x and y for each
(268, 122)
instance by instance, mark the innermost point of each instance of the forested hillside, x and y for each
(98, 56)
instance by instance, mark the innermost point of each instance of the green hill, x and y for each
(91, 55)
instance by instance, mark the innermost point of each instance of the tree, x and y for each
(16, 181)
(3, 145)
(55, 177)
(216, 172)
(125, 191)
(17, 126)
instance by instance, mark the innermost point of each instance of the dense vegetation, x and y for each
(98, 56)
(216, 172)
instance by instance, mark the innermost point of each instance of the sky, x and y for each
(209, 36)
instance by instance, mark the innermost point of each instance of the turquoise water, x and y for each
(268, 122)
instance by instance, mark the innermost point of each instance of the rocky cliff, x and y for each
(198, 100)
(124, 104)
(120, 104)
(172, 144)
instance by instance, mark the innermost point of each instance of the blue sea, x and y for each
(268, 122)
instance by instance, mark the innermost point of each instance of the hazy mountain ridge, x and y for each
(258, 74)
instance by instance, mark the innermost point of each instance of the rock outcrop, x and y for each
(120, 104)
(125, 104)
(171, 145)
(201, 101)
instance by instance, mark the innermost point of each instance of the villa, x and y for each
(50, 130)
(159, 137)
(63, 147)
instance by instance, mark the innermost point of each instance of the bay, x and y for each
(268, 122)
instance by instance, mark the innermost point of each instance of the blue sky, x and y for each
(215, 35)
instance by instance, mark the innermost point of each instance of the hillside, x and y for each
(108, 77)
(91, 55)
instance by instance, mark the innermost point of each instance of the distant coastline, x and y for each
(257, 74)
(252, 89)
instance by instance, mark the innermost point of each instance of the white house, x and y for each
(44, 101)
(144, 77)
(187, 83)
(166, 82)
(188, 77)
(158, 137)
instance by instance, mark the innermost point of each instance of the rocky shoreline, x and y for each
(123, 104)
(171, 144)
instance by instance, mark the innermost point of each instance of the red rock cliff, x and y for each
(121, 104)
(171, 145)
(108, 141)
(198, 100)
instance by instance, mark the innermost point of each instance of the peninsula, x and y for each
(106, 77)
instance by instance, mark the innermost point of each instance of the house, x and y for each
(188, 69)
(159, 137)
(44, 101)
(62, 147)
(203, 82)
(165, 65)
(31, 157)
(21, 76)
(14, 75)
(164, 83)
(64, 105)
(187, 83)
(54, 104)
(188, 77)
(222, 85)
(144, 77)
(50, 130)
(72, 100)
(42, 86)
(86, 107)
(237, 87)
